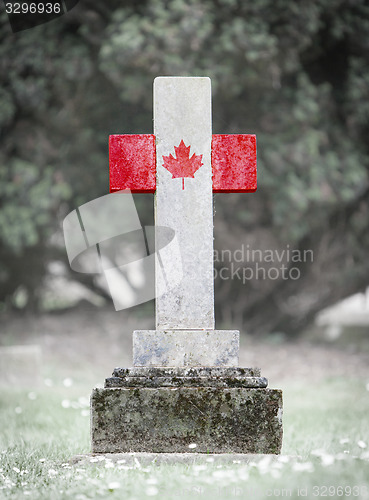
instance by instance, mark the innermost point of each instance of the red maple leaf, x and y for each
(182, 166)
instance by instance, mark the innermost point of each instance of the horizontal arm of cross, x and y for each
(132, 163)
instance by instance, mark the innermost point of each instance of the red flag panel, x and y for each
(132, 163)
(233, 159)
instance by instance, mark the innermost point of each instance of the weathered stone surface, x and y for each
(181, 371)
(233, 161)
(193, 404)
(255, 382)
(237, 420)
(182, 112)
(185, 348)
(132, 163)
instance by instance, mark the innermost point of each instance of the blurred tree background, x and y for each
(294, 73)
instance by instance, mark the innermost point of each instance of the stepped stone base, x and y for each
(161, 410)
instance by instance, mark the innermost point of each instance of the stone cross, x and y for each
(184, 164)
(185, 391)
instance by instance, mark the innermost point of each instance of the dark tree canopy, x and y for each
(294, 73)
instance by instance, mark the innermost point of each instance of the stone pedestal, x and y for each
(163, 409)
(186, 347)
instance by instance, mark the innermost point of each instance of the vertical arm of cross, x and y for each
(182, 127)
(183, 164)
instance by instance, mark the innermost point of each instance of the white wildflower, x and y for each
(152, 491)
(192, 446)
(318, 453)
(83, 401)
(264, 464)
(243, 474)
(340, 456)
(275, 473)
(67, 382)
(361, 444)
(199, 467)
(327, 460)
(114, 485)
(303, 467)
(221, 473)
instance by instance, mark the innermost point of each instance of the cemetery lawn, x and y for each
(326, 421)
(325, 451)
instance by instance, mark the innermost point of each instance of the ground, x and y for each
(326, 404)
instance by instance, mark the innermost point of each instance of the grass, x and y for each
(325, 451)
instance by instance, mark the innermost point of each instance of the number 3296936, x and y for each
(33, 8)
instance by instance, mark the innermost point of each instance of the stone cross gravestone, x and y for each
(185, 386)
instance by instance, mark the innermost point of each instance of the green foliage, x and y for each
(268, 60)
(31, 198)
